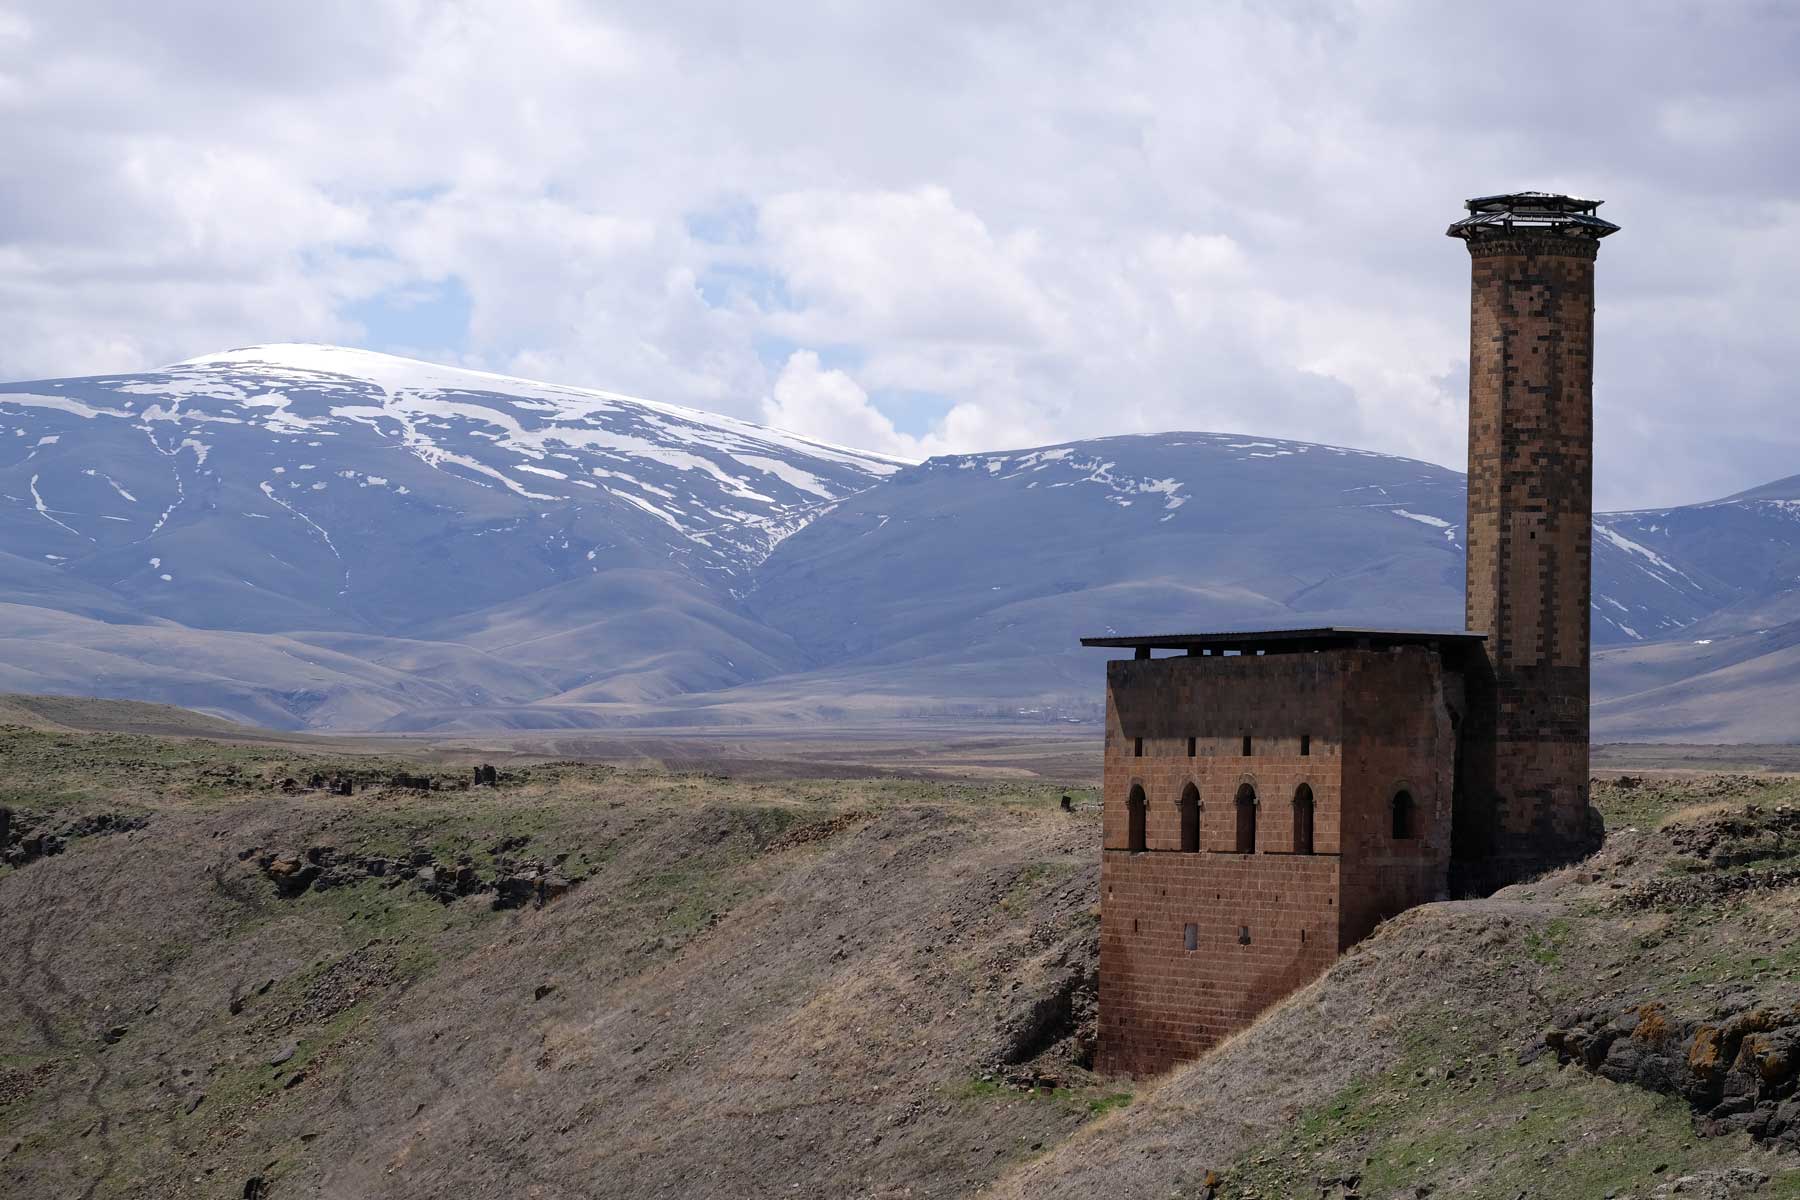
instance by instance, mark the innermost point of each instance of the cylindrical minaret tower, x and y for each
(1524, 805)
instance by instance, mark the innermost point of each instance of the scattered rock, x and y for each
(818, 831)
(535, 885)
(1766, 844)
(1738, 1073)
(320, 868)
(1054, 1024)
(16, 1085)
(292, 875)
(282, 1055)
(336, 989)
(1732, 1183)
(26, 837)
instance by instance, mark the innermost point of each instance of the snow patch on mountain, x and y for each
(1626, 544)
(419, 384)
(729, 490)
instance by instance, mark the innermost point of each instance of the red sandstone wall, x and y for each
(1397, 734)
(1161, 1003)
(1372, 717)
(1216, 702)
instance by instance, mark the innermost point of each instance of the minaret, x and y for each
(1524, 805)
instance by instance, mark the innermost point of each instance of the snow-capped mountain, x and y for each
(1694, 560)
(338, 494)
(1726, 665)
(315, 536)
(345, 489)
(1029, 550)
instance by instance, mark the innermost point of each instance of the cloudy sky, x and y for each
(922, 227)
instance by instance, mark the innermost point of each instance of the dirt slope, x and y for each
(221, 977)
(116, 716)
(752, 988)
(1399, 1073)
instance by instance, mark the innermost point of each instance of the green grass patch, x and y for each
(1546, 947)
(1099, 1106)
(1028, 883)
(1486, 1129)
(1095, 1102)
(1655, 800)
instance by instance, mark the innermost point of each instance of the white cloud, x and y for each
(912, 266)
(829, 405)
(1060, 221)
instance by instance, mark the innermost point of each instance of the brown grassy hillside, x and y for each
(224, 983)
(1400, 1073)
(753, 988)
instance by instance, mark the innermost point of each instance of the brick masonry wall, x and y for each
(1530, 544)
(1217, 702)
(1382, 714)
(1398, 735)
(1161, 1003)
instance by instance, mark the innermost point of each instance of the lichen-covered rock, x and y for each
(1740, 1072)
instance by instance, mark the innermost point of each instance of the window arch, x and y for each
(1405, 817)
(1303, 820)
(1190, 819)
(1246, 819)
(1134, 811)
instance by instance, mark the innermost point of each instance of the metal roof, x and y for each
(1569, 216)
(1276, 641)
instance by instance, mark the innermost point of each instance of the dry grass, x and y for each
(773, 985)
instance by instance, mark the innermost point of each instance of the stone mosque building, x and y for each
(1271, 796)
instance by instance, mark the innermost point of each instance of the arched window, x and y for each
(1246, 819)
(1303, 820)
(1134, 810)
(1403, 815)
(1190, 818)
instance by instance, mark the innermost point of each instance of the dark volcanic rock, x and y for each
(1739, 1073)
(536, 887)
(25, 838)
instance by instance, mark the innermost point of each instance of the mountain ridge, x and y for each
(421, 545)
